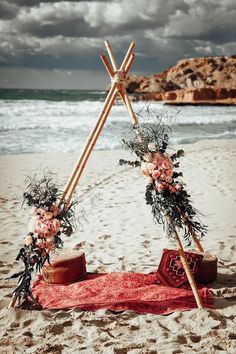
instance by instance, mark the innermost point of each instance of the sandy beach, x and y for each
(117, 233)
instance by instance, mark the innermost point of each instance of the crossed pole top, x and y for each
(119, 76)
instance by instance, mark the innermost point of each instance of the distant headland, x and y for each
(207, 80)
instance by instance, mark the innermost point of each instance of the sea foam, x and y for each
(28, 126)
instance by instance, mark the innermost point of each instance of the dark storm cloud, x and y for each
(70, 34)
(31, 3)
(212, 21)
(68, 28)
(8, 10)
(93, 18)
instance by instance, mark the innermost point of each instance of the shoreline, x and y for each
(201, 103)
(175, 146)
(117, 233)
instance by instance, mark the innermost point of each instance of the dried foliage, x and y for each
(47, 225)
(165, 193)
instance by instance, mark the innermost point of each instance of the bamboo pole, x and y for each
(111, 56)
(13, 301)
(92, 143)
(80, 161)
(107, 65)
(15, 296)
(193, 234)
(179, 244)
(133, 117)
(111, 72)
(197, 242)
(184, 261)
(124, 96)
(127, 57)
(73, 175)
(129, 63)
(109, 68)
(97, 130)
(188, 271)
(113, 60)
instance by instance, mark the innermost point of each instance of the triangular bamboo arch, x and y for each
(118, 87)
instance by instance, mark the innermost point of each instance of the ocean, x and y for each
(33, 121)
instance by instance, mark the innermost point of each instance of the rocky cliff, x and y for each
(210, 80)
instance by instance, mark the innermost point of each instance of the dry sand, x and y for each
(118, 234)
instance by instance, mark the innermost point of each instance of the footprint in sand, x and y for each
(104, 237)
(145, 243)
(59, 328)
(222, 245)
(195, 339)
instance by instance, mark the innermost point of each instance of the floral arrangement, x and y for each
(48, 222)
(165, 192)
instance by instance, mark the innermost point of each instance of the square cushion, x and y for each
(171, 271)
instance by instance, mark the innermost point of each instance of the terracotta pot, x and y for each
(67, 266)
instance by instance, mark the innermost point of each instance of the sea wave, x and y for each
(39, 125)
(87, 110)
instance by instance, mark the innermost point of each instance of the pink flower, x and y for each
(171, 189)
(38, 223)
(162, 177)
(56, 225)
(159, 186)
(55, 210)
(49, 224)
(34, 210)
(168, 179)
(48, 215)
(162, 186)
(41, 211)
(157, 159)
(42, 244)
(159, 162)
(178, 187)
(155, 174)
(169, 173)
(165, 165)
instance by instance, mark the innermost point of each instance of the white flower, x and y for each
(28, 240)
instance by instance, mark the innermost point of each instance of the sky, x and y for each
(57, 44)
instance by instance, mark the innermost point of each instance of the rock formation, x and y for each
(210, 80)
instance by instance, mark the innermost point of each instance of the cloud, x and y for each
(68, 35)
(206, 20)
(8, 10)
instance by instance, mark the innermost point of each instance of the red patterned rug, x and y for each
(119, 292)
